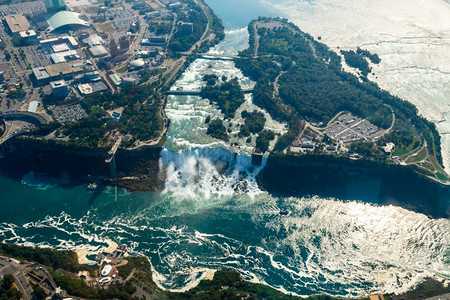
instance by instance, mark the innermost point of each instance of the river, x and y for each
(212, 205)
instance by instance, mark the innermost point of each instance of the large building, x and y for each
(66, 20)
(41, 75)
(60, 89)
(98, 51)
(65, 70)
(17, 23)
(70, 41)
(55, 5)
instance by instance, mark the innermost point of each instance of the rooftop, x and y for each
(98, 51)
(94, 40)
(58, 83)
(85, 88)
(17, 23)
(32, 107)
(64, 68)
(60, 57)
(60, 47)
(61, 39)
(115, 79)
(27, 33)
(65, 20)
(40, 73)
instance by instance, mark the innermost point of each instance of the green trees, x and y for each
(140, 118)
(315, 86)
(357, 61)
(182, 41)
(210, 79)
(254, 123)
(217, 130)
(38, 292)
(374, 58)
(7, 290)
(263, 140)
(228, 96)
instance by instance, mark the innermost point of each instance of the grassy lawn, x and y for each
(424, 171)
(123, 69)
(107, 27)
(428, 165)
(92, 9)
(441, 176)
(417, 157)
(402, 149)
(399, 151)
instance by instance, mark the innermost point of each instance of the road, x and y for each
(20, 280)
(255, 55)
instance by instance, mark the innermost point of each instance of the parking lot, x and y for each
(27, 8)
(69, 113)
(36, 56)
(350, 128)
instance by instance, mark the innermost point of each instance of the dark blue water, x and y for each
(345, 248)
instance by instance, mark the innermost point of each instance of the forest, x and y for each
(141, 116)
(217, 130)
(183, 41)
(314, 86)
(253, 123)
(228, 96)
(357, 61)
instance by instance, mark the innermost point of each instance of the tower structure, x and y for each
(55, 5)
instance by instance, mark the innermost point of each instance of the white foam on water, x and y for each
(357, 242)
(41, 182)
(210, 173)
(188, 113)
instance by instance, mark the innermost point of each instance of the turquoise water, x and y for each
(212, 205)
(324, 245)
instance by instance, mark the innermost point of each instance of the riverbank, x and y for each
(136, 279)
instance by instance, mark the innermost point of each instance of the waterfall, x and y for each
(210, 171)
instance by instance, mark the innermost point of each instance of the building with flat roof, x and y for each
(41, 75)
(29, 36)
(98, 51)
(94, 40)
(154, 41)
(61, 57)
(60, 47)
(17, 23)
(66, 20)
(60, 40)
(60, 89)
(66, 69)
(85, 89)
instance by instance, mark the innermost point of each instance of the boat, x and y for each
(226, 254)
(92, 186)
(284, 212)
